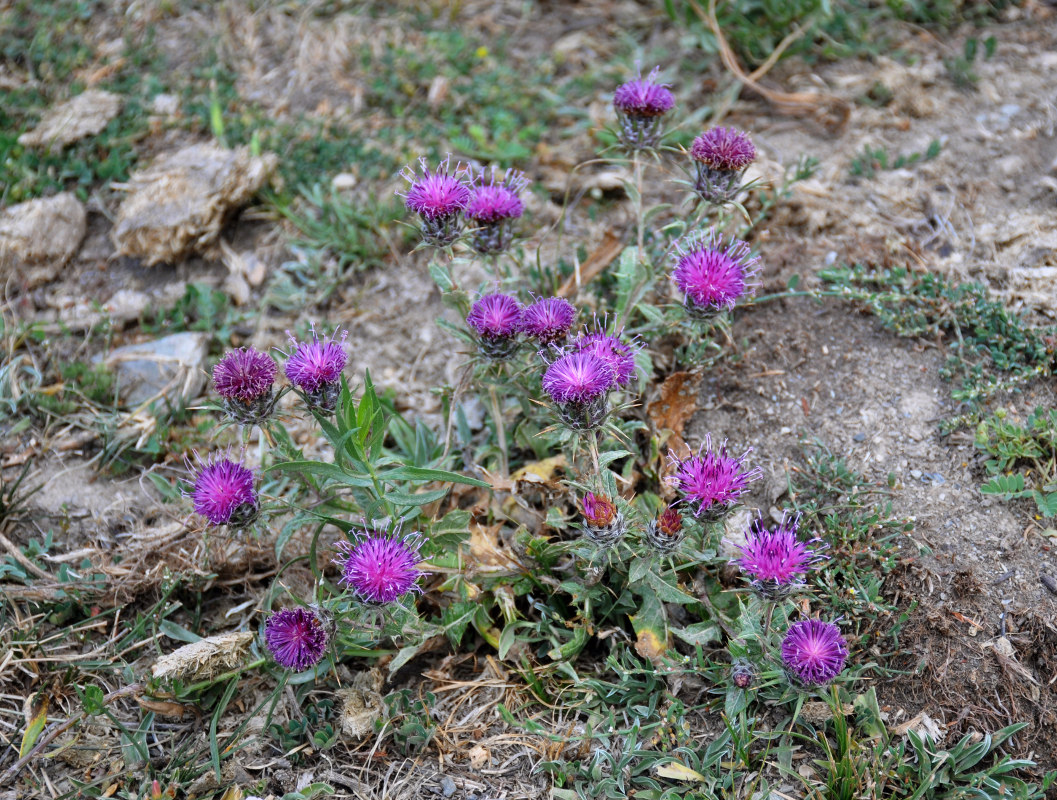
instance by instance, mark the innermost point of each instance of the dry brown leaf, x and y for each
(602, 256)
(675, 404)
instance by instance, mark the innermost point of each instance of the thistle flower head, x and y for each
(296, 638)
(665, 533)
(711, 482)
(743, 673)
(317, 363)
(491, 202)
(495, 316)
(723, 149)
(711, 277)
(380, 565)
(777, 559)
(439, 193)
(618, 354)
(598, 509)
(643, 97)
(548, 320)
(245, 375)
(579, 377)
(223, 492)
(814, 651)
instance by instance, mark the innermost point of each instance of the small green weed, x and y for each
(1030, 449)
(960, 68)
(991, 348)
(873, 159)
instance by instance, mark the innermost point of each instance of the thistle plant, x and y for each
(721, 156)
(244, 379)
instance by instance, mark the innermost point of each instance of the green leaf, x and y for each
(638, 570)
(605, 459)
(669, 592)
(174, 631)
(330, 471)
(1047, 503)
(93, 700)
(698, 633)
(415, 500)
(426, 474)
(651, 626)
(40, 719)
(1004, 485)
(869, 714)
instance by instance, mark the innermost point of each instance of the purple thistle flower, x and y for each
(605, 524)
(814, 651)
(224, 493)
(619, 355)
(438, 197)
(580, 377)
(725, 149)
(712, 278)
(640, 104)
(548, 320)
(315, 368)
(493, 207)
(579, 384)
(497, 320)
(244, 378)
(776, 559)
(711, 482)
(721, 154)
(380, 565)
(296, 638)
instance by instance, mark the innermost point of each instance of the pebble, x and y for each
(447, 786)
(171, 368)
(859, 437)
(916, 474)
(1049, 582)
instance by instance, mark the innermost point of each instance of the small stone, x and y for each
(167, 369)
(916, 474)
(447, 786)
(343, 182)
(165, 104)
(859, 437)
(1049, 582)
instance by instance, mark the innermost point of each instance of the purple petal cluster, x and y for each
(245, 375)
(496, 316)
(313, 365)
(492, 202)
(643, 97)
(380, 565)
(777, 559)
(814, 651)
(296, 638)
(224, 493)
(711, 277)
(724, 149)
(548, 320)
(619, 355)
(578, 377)
(438, 193)
(598, 509)
(711, 482)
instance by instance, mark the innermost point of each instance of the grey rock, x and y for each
(859, 437)
(170, 368)
(447, 786)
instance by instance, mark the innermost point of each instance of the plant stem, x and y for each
(640, 220)
(592, 444)
(500, 430)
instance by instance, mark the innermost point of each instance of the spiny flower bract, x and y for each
(711, 482)
(725, 149)
(317, 363)
(296, 638)
(711, 277)
(380, 565)
(244, 375)
(578, 377)
(495, 316)
(223, 492)
(814, 651)
(548, 320)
